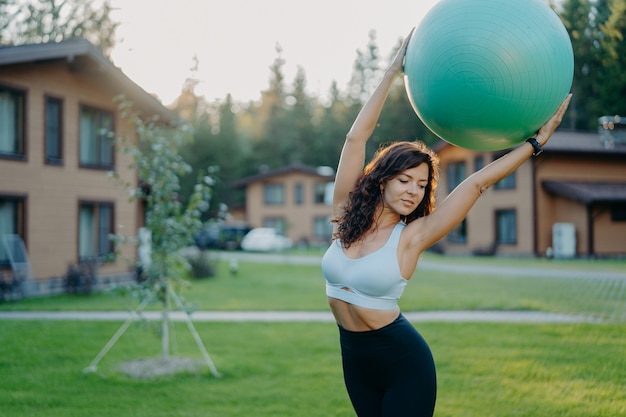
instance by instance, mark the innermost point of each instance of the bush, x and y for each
(80, 278)
(202, 266)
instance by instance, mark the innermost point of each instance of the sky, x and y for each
(235, 41)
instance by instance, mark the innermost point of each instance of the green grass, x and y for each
(293, 369)
(609, 264)
(296, 287)
(617, 264)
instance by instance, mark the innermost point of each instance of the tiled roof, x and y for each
(574, 141)
(81, 53)
(322, 172)
(564, 141)
(588, 192)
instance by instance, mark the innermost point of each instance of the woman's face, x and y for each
(404, 192)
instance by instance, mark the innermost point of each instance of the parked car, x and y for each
(221, 236)
(265, 239)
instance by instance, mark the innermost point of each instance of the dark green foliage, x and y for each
(597, 29)
(81, 278)
(202, 265)
(56, 20)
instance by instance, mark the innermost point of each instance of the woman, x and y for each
(385, 217)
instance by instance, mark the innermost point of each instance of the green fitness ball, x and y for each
(487, 74)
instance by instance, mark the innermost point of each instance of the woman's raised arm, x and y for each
(352, 157)
(458, 203)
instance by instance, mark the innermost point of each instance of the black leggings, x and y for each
(389, 371)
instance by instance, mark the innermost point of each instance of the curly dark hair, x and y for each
(388, 162)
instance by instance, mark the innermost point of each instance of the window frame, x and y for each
(298, 194)
(507, 183)
(453, 170)
(100, 254)
(20, 139)
(458, 235)
(278, 223)
(99, 140)
(479, 162)
(498, 238)
(269, 199)
(322, 228)
(57, 159)
(19, 222)
(618, 212)
(319, 193)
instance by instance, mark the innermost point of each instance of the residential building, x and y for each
(568, 201)
(294, 200)
(56, 107)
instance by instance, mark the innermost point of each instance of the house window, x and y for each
(479, 163)
(12, 109)
(277, 223)
(299, 194)
(322, 229)
(506, 227)
(506, 183)
(618, 212)
(456, 174)
(95, 225)
(96, 144)
(54, 132)
(459, 233)
(274, 194)
(12, 214)
(319, 193)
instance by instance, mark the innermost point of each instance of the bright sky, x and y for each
(235, 41)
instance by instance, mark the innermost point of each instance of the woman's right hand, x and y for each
(545, 132)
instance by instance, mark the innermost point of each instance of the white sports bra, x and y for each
(372, 281)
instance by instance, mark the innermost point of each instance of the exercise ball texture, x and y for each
(487, 74)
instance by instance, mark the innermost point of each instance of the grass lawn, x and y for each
(293, 369)
(301, 287)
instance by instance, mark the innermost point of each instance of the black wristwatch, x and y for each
(537, 149)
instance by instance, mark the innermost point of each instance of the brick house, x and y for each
(573, 194)
(56, 99)
(292, 199)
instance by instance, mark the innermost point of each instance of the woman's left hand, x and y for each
(550, 126)
(397, 65)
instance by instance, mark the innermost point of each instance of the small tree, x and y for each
(158, 164)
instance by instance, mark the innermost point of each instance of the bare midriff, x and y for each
(360, 319)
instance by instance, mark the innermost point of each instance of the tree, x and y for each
(333, 126)
(300, 116)
(272, 148)
(575, 16)
(229, 154)
(215, 143)
(612, 84)
(596, 29)
(56, 20)
(366, 72)
(159, 166)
